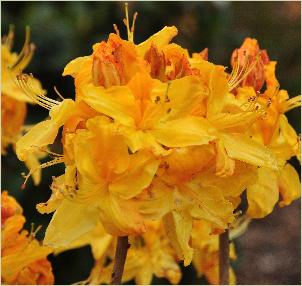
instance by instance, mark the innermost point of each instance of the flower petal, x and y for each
(116, 102)
(289, 185)
(76, 65)
(184, 132)
(138, 176)
(161, 38)
(45, 132)
(120, 217)
(263, 195)
(241, 147)
(210, 204)
(70, 221)
(178, 226)
(41, 135)
(156, 201)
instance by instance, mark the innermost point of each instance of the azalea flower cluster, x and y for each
(160, 146)
(13, 99)
(23, 259)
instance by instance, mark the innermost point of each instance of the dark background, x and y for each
(269, 252)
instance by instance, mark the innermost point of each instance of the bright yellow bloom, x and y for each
(273, 130)
(156, 135)
(13, 99)
(23, 259)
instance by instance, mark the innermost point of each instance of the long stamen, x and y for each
(48, 152)
(33, 232)
(245, 71)
(238, 72)
(26, 84)
(58, 93)
(9, 39)
(55, 161)
(26, 53)
(126, 22)
(133, 25)
(117, 31)
(130, 31)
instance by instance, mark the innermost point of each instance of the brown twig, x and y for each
(119, 260)
(224, 260)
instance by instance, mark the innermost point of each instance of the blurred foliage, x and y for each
(63, 31)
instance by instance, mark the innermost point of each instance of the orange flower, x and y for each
(23, 259)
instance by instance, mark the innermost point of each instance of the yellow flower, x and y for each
(147, 112)
(23, 259)
(154, 135)
(13, 99)
(104, 172)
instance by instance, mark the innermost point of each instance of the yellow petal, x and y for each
(263, 194)
(41, 135)
(156, 201)
(120, 217)
(161, 38)
(45, 132)
(210, 204)
(289, 185)
(237, 122)
(144, 275)
(243, 148)
(224, 166)
(182, 164)
(95, 155)
(215, 79)
(178, 227)
(70, 221)
(116, 102)
(76, 65)
(97, 238)
(138, 176)
(60, 113)
(180, 96)
(138, 139)
(114, 156)
(231, 186)
(184, 132)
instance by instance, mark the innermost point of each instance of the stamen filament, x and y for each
(235, 78)
(36, 95)
(58, 93)
(55, 161)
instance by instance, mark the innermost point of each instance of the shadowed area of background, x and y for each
(269, 252)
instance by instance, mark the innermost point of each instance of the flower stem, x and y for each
(224, 261)
(119, 260)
